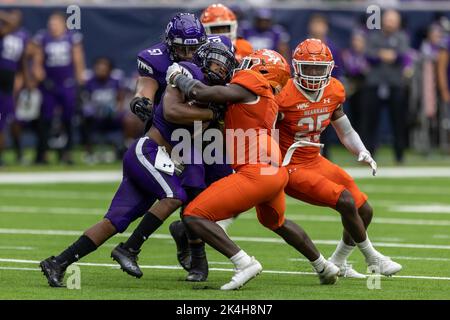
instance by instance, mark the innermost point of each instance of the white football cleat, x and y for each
(244, 275)
(383, 265)
(329, 274)
(346, 271)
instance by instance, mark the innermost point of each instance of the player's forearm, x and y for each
(195, 90)
(187, 115)
(348, 136)
(146, 87)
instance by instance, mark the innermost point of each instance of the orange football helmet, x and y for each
(219, 20)
(272, 65)
(313, 63)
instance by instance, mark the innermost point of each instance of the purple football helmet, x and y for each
(217, 61)
(184, 34)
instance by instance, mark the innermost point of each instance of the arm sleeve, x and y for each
(348, 136)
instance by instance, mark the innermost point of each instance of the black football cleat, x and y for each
(199, 269)
(53, 271)
(178, 232)
(127, 260)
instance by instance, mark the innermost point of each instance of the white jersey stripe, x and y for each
(155, 173)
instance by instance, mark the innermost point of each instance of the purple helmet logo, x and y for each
(184, 34)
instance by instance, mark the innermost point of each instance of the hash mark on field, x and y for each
(213, 269)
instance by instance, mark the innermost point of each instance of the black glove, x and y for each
(142, 107)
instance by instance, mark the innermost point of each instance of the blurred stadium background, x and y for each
(414, 111)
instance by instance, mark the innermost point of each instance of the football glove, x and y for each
(365, 156)
(142, 107)
(173, 70)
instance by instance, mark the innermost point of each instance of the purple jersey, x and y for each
(354, 64)
(153, 63)
(58, 55)
(12, 47)
(267, 39)
(165, 127)
(446, 45)
(103, 96)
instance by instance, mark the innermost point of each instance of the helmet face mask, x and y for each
(216, 61)
(184, 52)
(312, 75)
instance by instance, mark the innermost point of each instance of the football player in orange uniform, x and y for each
(251, 109)
(220, 20)
(308, 104)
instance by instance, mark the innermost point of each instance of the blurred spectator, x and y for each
(443, 74)
(103, 111)
(264, 34)
(355, 68)
(426, 109)
(58, 64)
(386, 50)
(13, 43)
(318, 28)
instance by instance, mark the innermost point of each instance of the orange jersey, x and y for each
(255, 119)
(242, 48)
(305, 120)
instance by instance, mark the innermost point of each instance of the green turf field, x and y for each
(411, 224)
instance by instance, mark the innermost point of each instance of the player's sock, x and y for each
(319, 264)
(341, 253)
(149, 224)
(197, 249)
(80, 248)
(368, 250)
(241, 259)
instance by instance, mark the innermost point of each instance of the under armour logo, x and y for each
(326, 100)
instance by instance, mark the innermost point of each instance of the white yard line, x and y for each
(52, 210)
(393, 257)
(116, 175)
(60, 177)
(331, 218)
(388, 189)
(56, 194)
(421, 208)
(20, 269)
(297, 217)
(244, 239)
(212, 269)
(16, 248)
(421, 258)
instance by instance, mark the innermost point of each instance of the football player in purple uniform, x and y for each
(102, 110)
(58, 63)
(13, 43)
(264, 34)
(149, 173)
(184, 34)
